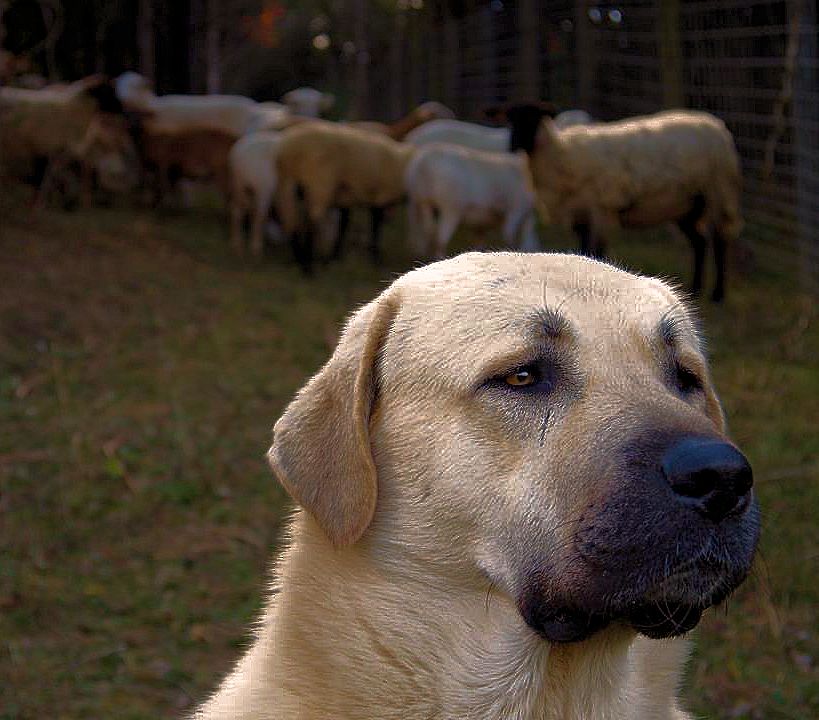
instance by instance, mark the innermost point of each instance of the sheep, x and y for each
(476, 188)
(252, 164)
(233, 114)
(458, 132)
(674, 166)
(43, 132)
(398, 130)
(190, 153)
(571, 118)
(336, 166)
(308, 101)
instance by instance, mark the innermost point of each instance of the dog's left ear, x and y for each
(321, 449)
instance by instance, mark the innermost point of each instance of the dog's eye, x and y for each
(687, 380)
(522, 377)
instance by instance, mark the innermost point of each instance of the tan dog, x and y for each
(514, 480)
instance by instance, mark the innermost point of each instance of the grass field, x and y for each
(141, 368)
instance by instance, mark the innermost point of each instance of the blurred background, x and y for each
(143, 358)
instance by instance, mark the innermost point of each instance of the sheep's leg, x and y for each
(427, 235)
(691, 226)
(583, 230)
(447, 225)
(376, 224)
(520, 223)
(264, 199)
(237, 216)
(698, 243)
(720, 247)
(529, 240)
(341, 234)
(49, 173)
(318, 205)
(417, 232)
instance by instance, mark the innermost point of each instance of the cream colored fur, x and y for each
(421, 494)
(639, 172)
(338, 166)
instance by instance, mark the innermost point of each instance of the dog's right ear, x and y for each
(321, 445)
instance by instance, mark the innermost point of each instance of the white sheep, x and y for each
(308, 101)
(458, 132)
(336, 166)
(234, 114)
(448, 185)
(481, 137)
(424, 113)
(253, 175)
(570, 118)
(675, 166)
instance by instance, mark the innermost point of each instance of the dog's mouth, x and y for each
(665, 611)
(654, 620)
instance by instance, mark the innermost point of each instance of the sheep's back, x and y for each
(443, 174)
(41, 122)
(668, 152)
(352, 166)
(457, 132)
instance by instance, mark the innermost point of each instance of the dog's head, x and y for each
(546, 422)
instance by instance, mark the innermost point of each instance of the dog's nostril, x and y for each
(712, 474)
(696, 484)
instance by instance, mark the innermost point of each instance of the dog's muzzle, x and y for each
(673, 536)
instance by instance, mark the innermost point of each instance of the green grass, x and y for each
(141, 368)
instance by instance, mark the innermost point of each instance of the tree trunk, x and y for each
(145, 40)
(806, 116)
(397, 48)
(584, 57)
(671, 54)
(451, 60)
(53, 20)
(362, 61)
(528, 86)
(213, 49)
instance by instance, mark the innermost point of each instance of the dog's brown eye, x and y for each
(521, 378)
(687, 380)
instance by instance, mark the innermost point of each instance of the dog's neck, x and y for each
(359, 632)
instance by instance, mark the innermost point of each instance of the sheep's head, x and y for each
(525, 121)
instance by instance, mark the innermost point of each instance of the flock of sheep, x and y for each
(676, 166)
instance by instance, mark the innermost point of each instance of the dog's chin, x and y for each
(666, 611)
(655, 620)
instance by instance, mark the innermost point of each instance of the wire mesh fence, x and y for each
(754, 63)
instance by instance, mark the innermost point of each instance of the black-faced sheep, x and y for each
(675, 166)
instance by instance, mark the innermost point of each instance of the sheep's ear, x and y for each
(321, 445)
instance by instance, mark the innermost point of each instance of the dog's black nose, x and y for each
(712, 475)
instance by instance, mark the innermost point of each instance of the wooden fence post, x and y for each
(528, 85)
(671, 59)
(805, 118)
(146, 40)
(584, 57)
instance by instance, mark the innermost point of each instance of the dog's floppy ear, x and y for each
(321, 445)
